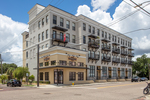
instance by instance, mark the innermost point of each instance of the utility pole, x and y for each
(140, 7)
(37, 65)
(149, 70)
(1, 65)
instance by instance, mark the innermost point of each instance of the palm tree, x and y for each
(10, 72)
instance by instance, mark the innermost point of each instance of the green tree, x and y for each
(3, 77)
(20, 72)
(141, 65)
(31, 78)
(7, 66)
(10, 72)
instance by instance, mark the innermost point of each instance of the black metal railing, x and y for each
(130, 62)
(106, 58)
(93, 44)
(131, 54)
(124, 61)
(124, 53)
(72, 64)
(116, 60)
(59, 37)
(106, 48)
(94, 56)
(117, 51)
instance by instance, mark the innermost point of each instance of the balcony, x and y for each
(131, 54)
(107, 59)
(93, 44)
(124, 53)
(93, 36)
(106, 48)
(116, 60)
(124, 61)
(59, 38)
(130, 62)
(130, 49)
(60, 28)
(105, 40)
(93, 57)
(117, 51)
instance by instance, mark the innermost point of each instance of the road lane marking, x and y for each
(117, 85)
(83, 87)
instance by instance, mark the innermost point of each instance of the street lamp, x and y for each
(37, 63)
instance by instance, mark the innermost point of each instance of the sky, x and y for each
(117, 14)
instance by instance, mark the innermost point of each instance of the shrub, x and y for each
(23, 81)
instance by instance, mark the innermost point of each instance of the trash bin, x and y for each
(72, 83)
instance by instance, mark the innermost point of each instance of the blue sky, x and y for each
(17, 9)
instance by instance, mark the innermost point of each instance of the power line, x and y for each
(57, 2)
(60, 3)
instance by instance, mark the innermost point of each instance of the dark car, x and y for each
(143, 79)
(14, 82)
(136, 79)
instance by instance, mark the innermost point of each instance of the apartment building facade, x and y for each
(74, 48)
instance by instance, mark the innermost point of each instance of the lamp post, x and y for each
(37, 63)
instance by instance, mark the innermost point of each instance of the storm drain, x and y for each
(47, 93)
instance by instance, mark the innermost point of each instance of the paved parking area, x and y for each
(96, 91)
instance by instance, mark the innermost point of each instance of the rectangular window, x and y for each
(26, 43)
(89, 28)
(39, 38)
(73, 26)
(81, 64)
(53, 62)
(61, 22)
(46, 34)
(122, 72)
(80, 76)
(42, 36)
(73, 39)
(98, 32)
(47, 19)
(115, 39)
(27, 55)
(114, 72)
(42, 46)
(92, 71)
(61, 62)
(93, 30)
(68, 37)
(42, 21)
(41, 76)
(109, 37)
(104, 71)
(39, 24)
(84, 39)
(72, 63)
(84, 26)
(118, 40)
(72, 76)
(68, 24)
(102, 33)
(27, 65)
(106, 35)
(112, 37)
(41, 64)
(46, 45)
(46, 63)
(54, 19)
(46, 76)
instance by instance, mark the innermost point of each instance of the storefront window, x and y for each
(92, 71)
(104, 71)
(80, 76)
(122, 72)
(72, 76)
(41, 76)
(129, 72)
(46, 76)
(46, 63)
(114, 72)
(53, 62)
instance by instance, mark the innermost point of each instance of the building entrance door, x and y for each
(58, 76)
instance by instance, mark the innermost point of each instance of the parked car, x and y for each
(14, 82)
(143, 79)
(136, 79)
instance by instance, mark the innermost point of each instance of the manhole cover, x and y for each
(47, 93)
(77, 94)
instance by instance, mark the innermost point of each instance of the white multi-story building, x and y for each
(99, 51)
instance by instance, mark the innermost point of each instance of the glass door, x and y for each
(58, 76)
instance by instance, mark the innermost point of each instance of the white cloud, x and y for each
(102, 4)
(11, 39)
(141, 39)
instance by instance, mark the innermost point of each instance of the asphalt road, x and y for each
(102, 91)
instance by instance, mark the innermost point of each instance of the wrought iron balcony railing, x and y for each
(59, 38)
(131, 54)
(124, 53)
(107, 58)
(94, 57)
(116, 60)
(117, 51)
(93, 44)
(106, 48)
